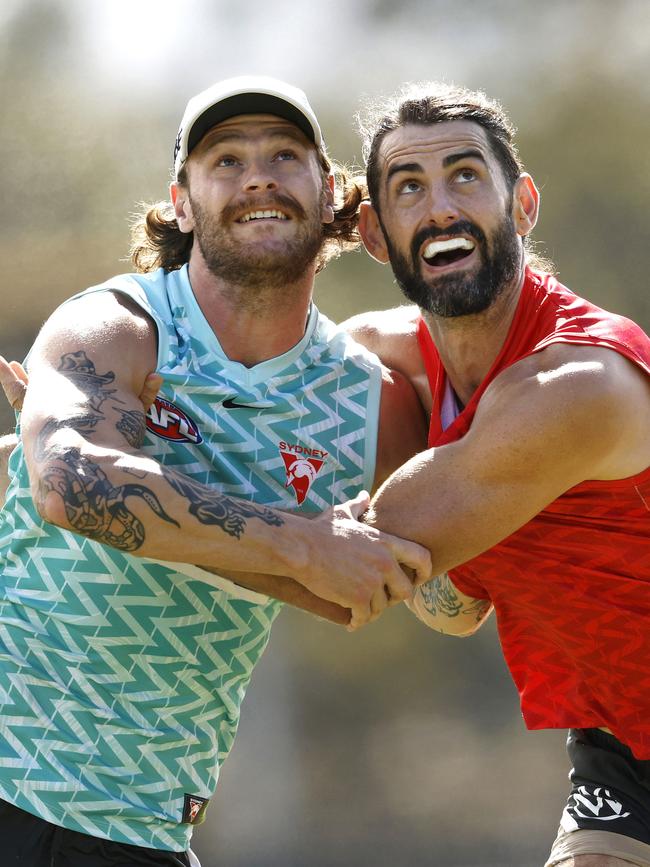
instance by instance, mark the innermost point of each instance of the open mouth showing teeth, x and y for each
(445, 252)
(262, 215)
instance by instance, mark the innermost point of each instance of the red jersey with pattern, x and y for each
(571, 588)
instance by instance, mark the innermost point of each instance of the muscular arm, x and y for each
(551, 421)
(82, 427)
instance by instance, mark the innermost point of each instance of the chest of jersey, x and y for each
(295, 438)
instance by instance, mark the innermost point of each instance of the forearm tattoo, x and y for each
(210, 507)
(94, 506)
(439, 596)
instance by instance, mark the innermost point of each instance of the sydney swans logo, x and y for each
(301, 465)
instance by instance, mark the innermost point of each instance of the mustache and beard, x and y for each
(459, 293)
(263, 264)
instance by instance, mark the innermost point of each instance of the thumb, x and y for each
(357, 505)
(19, 371)
(150, 389)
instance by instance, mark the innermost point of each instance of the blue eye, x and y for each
(286, 155)
(226, 162)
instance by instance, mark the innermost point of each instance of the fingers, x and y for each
(14, 382)
(150, 389)
(414, 560)
(380, 600)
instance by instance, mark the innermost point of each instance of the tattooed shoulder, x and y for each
(132, 426)
(81, 370)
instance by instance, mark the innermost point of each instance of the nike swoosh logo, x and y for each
(231, 403)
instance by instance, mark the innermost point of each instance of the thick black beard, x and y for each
(249, 265)
(459, 294)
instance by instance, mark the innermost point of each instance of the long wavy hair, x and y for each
(157, 242)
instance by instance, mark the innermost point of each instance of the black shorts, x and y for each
(610, 788)
(27, 841)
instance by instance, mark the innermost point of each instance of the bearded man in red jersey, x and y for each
(534, 497)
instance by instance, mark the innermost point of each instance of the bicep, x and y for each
(531, 440)
(86, 371)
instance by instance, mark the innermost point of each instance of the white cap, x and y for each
(247, 94)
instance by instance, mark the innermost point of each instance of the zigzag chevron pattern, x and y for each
(121, 679)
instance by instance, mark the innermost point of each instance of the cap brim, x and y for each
(247, 103)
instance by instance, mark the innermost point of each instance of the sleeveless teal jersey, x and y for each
(121, 678)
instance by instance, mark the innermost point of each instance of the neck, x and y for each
(469, 345)
(252, 324)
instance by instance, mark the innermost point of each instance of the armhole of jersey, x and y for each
(425, 344)
(139, 298)
(372, 426)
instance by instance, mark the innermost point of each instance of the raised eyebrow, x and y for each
(414, 168)
(463, 155)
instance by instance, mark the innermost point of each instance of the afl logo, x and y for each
(170, 423)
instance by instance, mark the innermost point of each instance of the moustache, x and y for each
(279, 202)
(429, 233)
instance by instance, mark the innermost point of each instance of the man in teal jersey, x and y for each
(123, 666)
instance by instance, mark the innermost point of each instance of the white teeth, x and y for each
(450, 244)
(262, 215)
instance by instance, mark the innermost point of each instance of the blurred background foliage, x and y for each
(395, 746)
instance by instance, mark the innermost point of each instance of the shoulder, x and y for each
(583, 372)
(392, 335)
(588, 402)
(106, 313)
(378, 328)
(107, 327)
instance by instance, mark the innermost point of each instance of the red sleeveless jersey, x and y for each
(571, 588)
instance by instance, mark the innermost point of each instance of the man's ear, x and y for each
(182, 207)
(372, 234)
(327, 211)
(525, 204)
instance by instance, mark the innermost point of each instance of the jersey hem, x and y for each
(100, 827)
